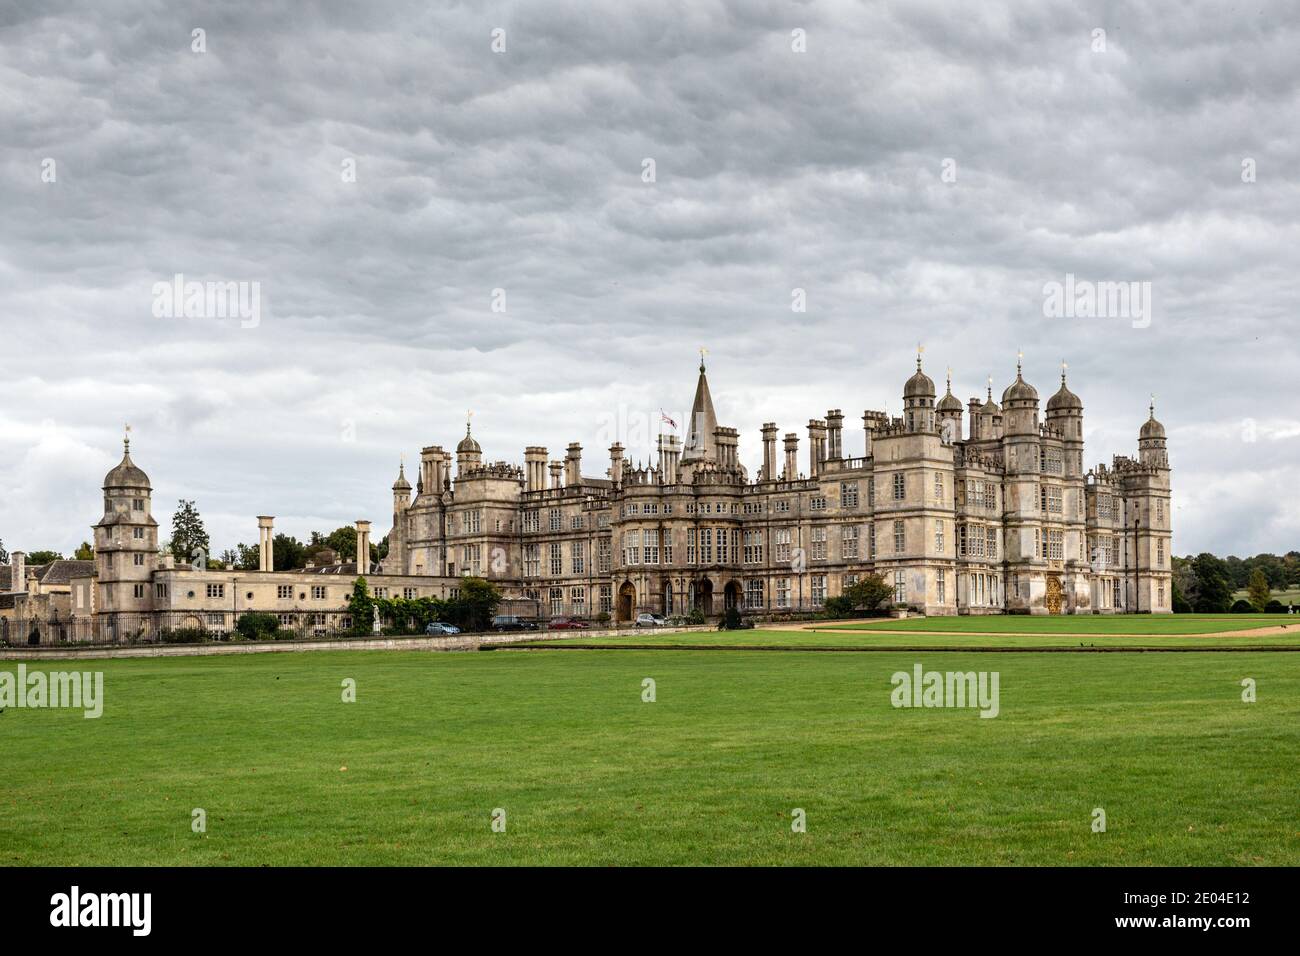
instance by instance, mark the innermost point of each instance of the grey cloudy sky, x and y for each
(522, 170)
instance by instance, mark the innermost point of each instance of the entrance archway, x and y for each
(704, 597)
(626, 601)
(731, 595)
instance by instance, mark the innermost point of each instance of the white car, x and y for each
(650, 620)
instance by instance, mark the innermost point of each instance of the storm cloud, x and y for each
(922, 171)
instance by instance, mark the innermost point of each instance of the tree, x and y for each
(42, 557)
(287, 553)
(473, 609)
(1258, 590)
(865, 595)
(84, 553)
(189, 538)
(1214, 590)
(360, 606)
(344, 541)
(4, 555)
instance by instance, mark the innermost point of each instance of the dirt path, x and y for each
(883, 625)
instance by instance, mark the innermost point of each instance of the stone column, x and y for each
(835, 433)
(769, 451)
(266, 542)
(557, 474)
(363, 547)
(816, 447)
(791, 456)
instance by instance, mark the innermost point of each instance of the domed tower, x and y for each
(1147, 497)
(1151, 441)
(395, 563)
(1020, 406)
(1065, 415)
(126, 548)
(918, 400)
(468, 454)
(949, 410)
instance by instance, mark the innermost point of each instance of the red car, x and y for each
(568, 624)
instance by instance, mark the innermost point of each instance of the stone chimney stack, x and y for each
(557, 474)
(791, 457)
(573, 465)
(835, 433)
(769, 452)
(816, 446)
(18, 569)
(616, 463)
(872, 422)
(363, 547)
(535, 468)
(265, 543)
(974, 405)
(670, 456)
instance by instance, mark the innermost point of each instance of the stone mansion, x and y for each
(979, 509)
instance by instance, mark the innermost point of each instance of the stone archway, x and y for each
(731, 596)
(626, 602)
(704, 596)
(1053, 598)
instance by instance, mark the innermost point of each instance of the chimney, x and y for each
(557, 474)
(18, 571)
(871, 423)
(975, 428)
(791, 457)
(265, 542)
(835, 433)
(535, 468)
(670, 454)
(363, 547)
(616, 463)
(816, 446)
(769, 451)
(573, 465)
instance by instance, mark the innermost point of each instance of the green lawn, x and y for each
(1085, 623)
(1186, 772)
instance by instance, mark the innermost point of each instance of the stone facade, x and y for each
(979, 510)
(992, 514)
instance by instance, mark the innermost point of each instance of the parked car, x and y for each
(441, 627)
(567, 624)
(511, 622)
(651, 620)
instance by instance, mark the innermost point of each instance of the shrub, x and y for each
(695, 617)
(1274, 607)
(1243, 607)
(257, 626)
(184, 635)
(732, 621)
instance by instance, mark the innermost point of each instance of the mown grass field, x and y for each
(709, 773)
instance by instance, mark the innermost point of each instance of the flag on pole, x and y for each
(665, 418)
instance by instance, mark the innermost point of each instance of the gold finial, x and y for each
(703, 352)
(919, 349)
(990, 388)
(1063, 368)
(1153, 406)
(1020, 357)
(950, 379)
(126, 439)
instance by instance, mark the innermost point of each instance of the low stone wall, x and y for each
(457, 642)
